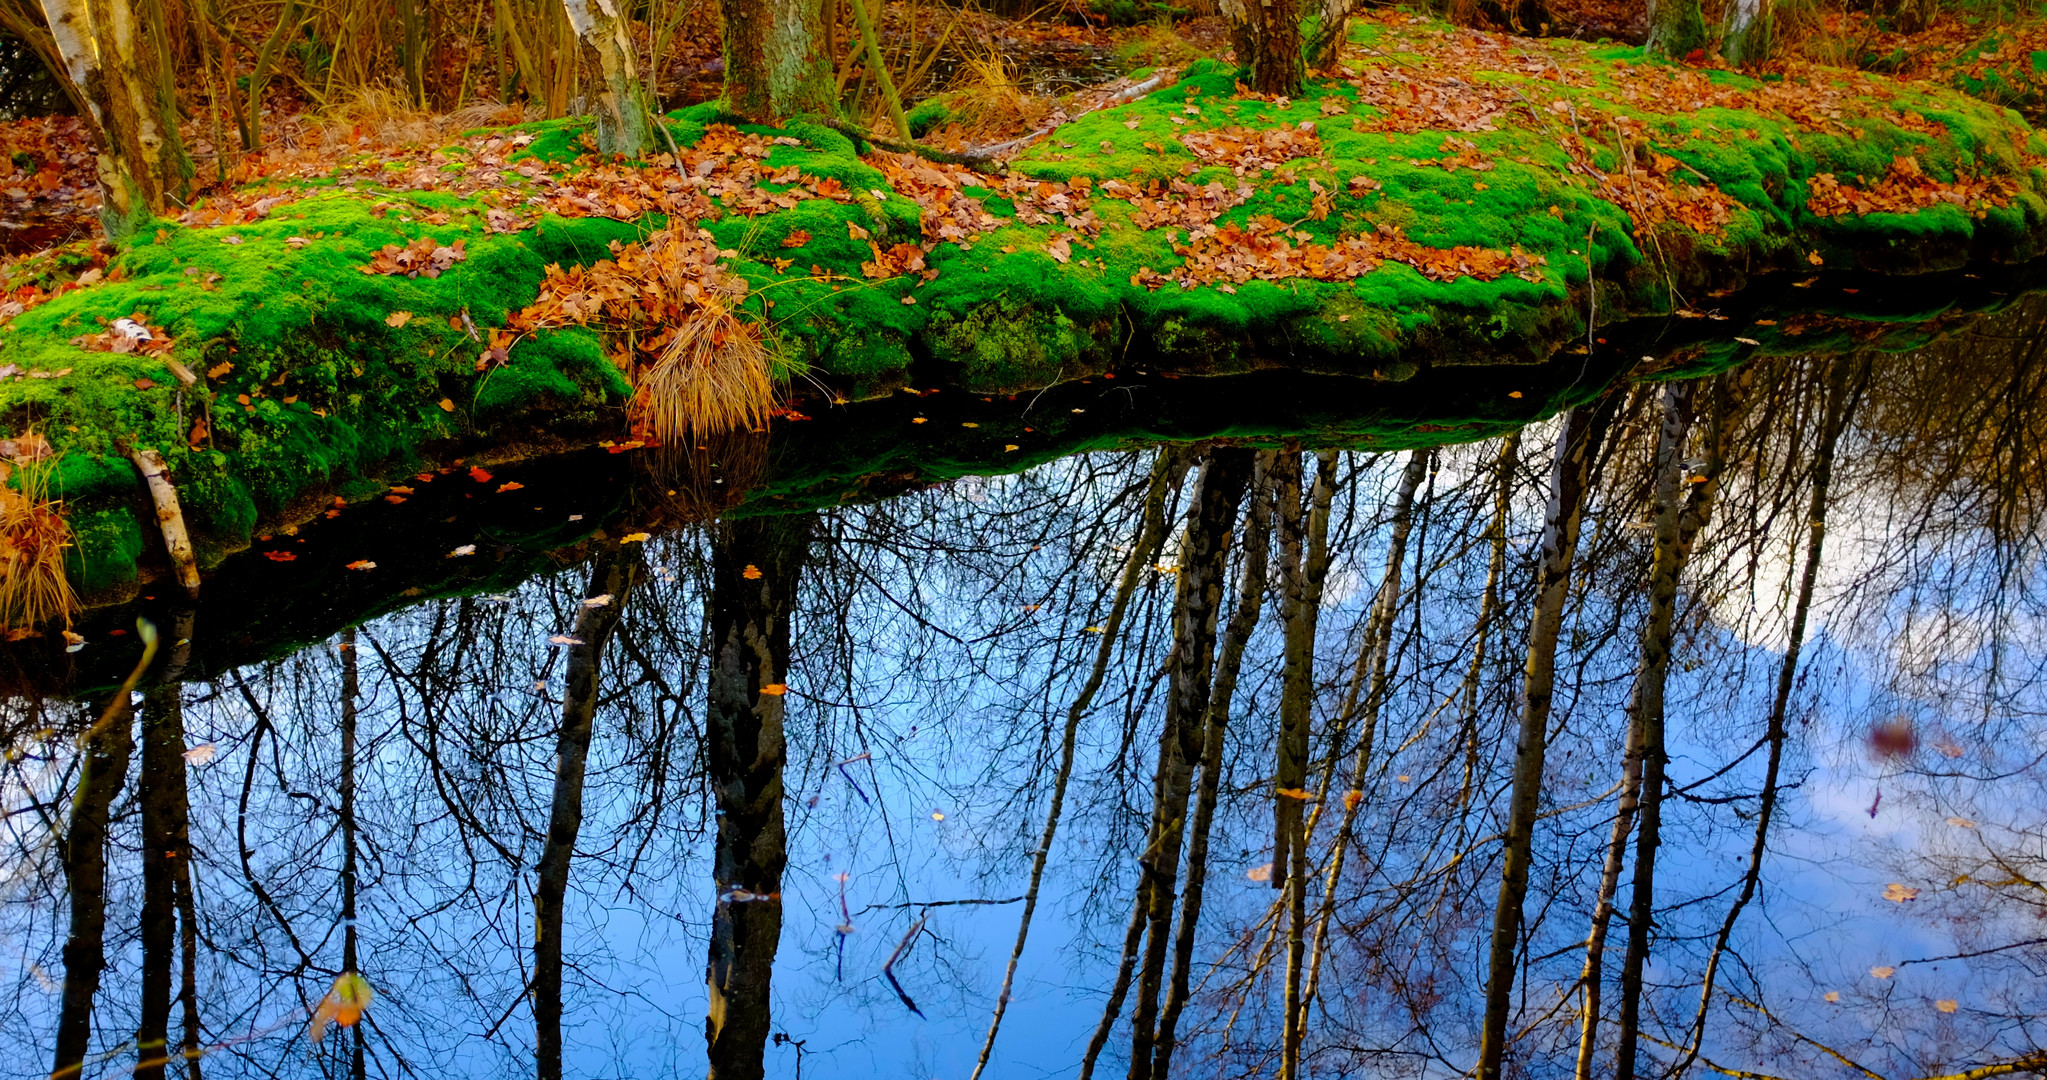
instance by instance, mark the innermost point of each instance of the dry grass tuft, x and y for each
(33, 536)
(988, 103)
(714, 375)
(669, 312)
(381, 116)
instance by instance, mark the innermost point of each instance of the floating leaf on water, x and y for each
(1961, 823)
(73, 642)
(598, 601)
(343, 1005)
(564, 639)
(751, 573)
(775, 689)
(1898, 893)
(1260, 873)
(1883, 972)
(362, 564)
(466, 549)
(201, 754)
(1833, 996)
(633, 538)
(1947, 1005)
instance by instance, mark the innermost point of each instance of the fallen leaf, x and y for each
(362, 564)
(1260, 873)
(1947, 1005)
(343, 1005)
(1833, 995)
(447, 405)
(775, 689)
(479, 474)
(280, 556)
(1961, 823)
(633, 538)
(751, 573)
(510, 485)
(1883, 972)
(598, 601)
(201, 754)
(1897, 893)
(397, 319)
(564, 639)
(466, 549)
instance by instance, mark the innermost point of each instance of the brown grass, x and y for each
(715, 375)
(33, 536)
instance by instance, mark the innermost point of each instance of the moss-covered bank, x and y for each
(1451, 202)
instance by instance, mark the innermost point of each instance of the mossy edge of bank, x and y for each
(343, 404)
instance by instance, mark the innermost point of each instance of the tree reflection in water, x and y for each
(1543, 756)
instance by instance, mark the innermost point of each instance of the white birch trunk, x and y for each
(619, 103)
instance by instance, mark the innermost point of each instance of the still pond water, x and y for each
(820, 750)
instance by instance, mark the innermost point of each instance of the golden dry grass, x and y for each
(33, 536)
(715, 375)
(381, 116)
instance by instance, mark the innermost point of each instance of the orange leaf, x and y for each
(774, 689)
(751, 572)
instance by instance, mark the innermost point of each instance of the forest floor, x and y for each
(377, 284)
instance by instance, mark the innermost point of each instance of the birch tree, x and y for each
(620, 99)
(114, 55)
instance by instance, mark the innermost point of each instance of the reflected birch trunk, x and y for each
(612, 575)
(102, 769)
(166, 855)
(755, 566)
(1579, 436)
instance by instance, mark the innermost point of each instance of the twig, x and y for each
(902, 948)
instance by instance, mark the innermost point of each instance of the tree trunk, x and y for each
(1374, 658)
(612, 574)
(620, 99)
(754, 569)
(1243, 620)
(775, 60)
(1204, 559)
(1844, 387)
(1643, 767)
(166, 850)
(412, 51)
(1677, 28)
(1301, 576)
(1267, 34)
(1326, 42)
(103, 768)
(118, 64)
(1750, 30)
(1167, 471)
(351, 941)
(1579, 436)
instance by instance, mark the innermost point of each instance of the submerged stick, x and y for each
(176, 541)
